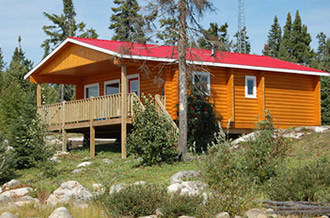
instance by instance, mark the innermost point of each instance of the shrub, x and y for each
(202, 120)
(307, 183)
(178, 205)
(7, 160)
(223, 171)
(263, 154)
(135, 200)
(153, 137)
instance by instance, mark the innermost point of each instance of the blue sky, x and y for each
(25, 18)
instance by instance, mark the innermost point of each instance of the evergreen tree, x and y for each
(63, 26)
(285, 50)
(322, 62)
(127, 22)
(215, 37)
(169, 32)
(301, 39)
(244, 41)
(2, 66)
(272, 47)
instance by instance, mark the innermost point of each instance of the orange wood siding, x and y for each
(172, 93)
(291, 99)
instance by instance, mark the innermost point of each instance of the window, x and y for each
(112, 87)
(202, 81)
(92, 90)
(250, 87)
(133, 84)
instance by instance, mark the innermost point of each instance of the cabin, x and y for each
(110, 75)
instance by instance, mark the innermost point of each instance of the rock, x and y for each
(298, 129)
(151, 216)
(140, 183)
(116, 188)
(84, 164)
(69, 191)
(262, 216)
(61, 212)
(107, 161)
(0, 190)
(237, 216)
(222, 215)
(139, 159)
(295, 135)
(254, 213)
(250, 136)
(180, 176)
(55, 159)
(186, 217)
(4, 199)
(8, 215)
(77, 171)
(97, 186)
(14, 193)
(26, 200)
(86, 158)
(320, 129)
(11, 184)
(61, 153)
(187, 188)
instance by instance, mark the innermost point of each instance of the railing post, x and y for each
(123, 111)
(64, 137)
(91, 128)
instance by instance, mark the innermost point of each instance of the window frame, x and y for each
(92, 85)
(132, 76)
(254, 94)
(111, 82)
(202, 73)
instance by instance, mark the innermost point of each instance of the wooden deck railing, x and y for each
(98, 108)
(161, 108)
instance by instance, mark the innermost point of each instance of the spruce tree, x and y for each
(272, 47)
(244, 40)
(127, 22)
(285, 50)
(215, 37)
(63, 26)
(169, 33)
(2, 66)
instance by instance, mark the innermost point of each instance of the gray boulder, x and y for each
(70, 191)
(14, 193)
(11, 184)
(8, 215)
(222, 215)
(187, 188)
(77, 171)
(254, 213)
(61, 212)
(107, 161)
(84, 164)
(180, 176)
(116, 188)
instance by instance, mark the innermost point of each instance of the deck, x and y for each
(94, 117)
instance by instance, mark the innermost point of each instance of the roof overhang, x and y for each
(147, 58)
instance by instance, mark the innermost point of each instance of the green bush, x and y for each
(222, 170)
(153, 137)
(135, 200)
(307, 183)
(263, 154)
(202, 120)
(177, 205)
(7, 160)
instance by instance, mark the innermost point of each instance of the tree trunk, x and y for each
(183, 124)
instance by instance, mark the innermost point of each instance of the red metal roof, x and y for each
(193, 54)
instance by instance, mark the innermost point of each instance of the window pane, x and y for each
(92, 91)
(250, 85)
(203, 78)
(112, 89)
(134, 86)
(196, 79)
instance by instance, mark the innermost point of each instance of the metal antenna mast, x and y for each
(241, 24)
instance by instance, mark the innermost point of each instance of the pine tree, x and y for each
(169, 34)
(285, 50)
(63, 26)
(127, 22)
(272, 47)
(2, 66)
(215, 37)
(301, 39)
(244, 41)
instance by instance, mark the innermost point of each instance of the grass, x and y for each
(302, 151)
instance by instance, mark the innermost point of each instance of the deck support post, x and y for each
(261, 96)
(91, 129)
(38, 95)
(64, 136)
(123, 111)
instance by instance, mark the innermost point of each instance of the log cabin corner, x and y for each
(109, 75)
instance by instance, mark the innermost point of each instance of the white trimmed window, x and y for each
(112, 87)
(202, 79)
(250, 87)
(91, 90)
(133, 84)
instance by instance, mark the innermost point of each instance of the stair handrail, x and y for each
(161, 107)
